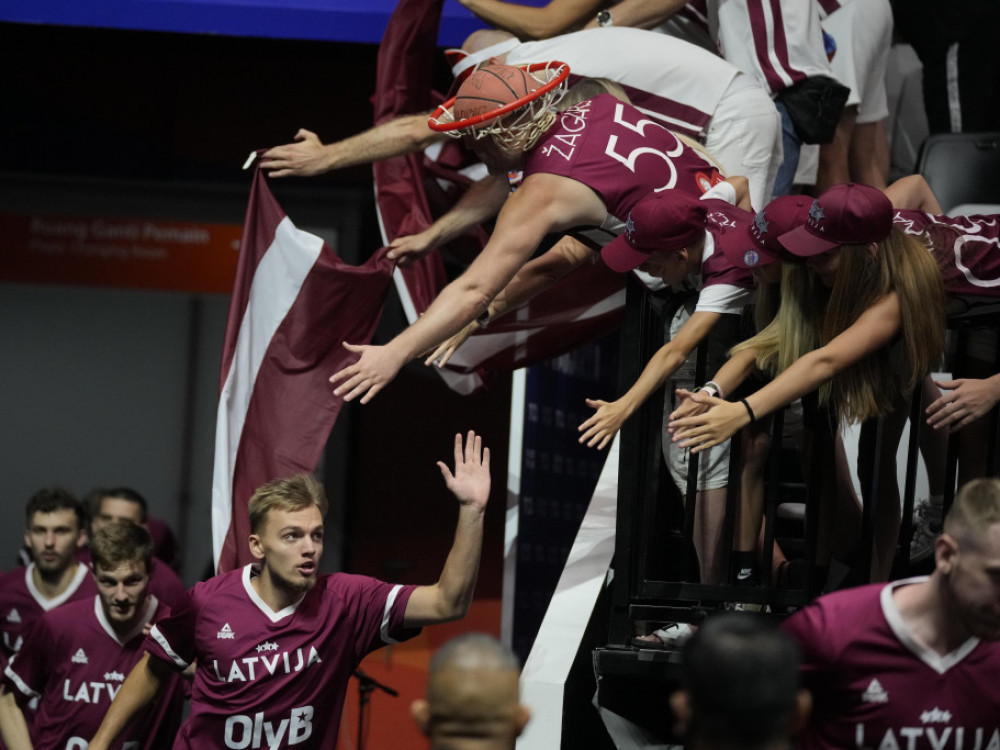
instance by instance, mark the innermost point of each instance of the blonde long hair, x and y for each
(871, 386)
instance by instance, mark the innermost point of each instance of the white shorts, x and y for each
(745, 137)
(863, 32)
(713, 464)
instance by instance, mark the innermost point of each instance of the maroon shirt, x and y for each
(74, 663)
(875, 685)
(275, 679)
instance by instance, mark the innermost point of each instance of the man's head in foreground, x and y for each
(740, 686)
(472, 696)
(120, 555)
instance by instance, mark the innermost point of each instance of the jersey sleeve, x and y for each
(723, 191)
(377, 609)
(811, 631)
(26, 673)
(172, 638)
(723, 298)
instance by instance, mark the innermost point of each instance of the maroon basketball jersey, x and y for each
(729, 226)
(21, 603)
(270, 679)
(966, 248)
(74, 663)
(620, 153)
(875, 685)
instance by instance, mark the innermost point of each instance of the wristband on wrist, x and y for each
(716, 387)
(753, 417)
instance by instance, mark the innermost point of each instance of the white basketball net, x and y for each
(520, 129)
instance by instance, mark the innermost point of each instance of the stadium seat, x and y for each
(962, 168)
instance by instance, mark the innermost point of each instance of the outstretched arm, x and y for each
(137, 692)
(528, 22)
(913, 192)
(874, 329)
(13, 727)
(609, 417)
(535, 276)
(307, 156)
(642, 14)
(480, 202)
(544, 203)
(449, 598)
(729, 377)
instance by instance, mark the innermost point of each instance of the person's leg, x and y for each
(755, 444)
(790, 145)
(708, 524)
(833, 156)
(868, 157)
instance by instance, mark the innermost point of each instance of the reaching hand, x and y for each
(444, 351)
(603, 424)
(405, 250)
(375, 368)
(689, 403)
(470, 483)
(301, 159)
(714, 426)
(967, 401)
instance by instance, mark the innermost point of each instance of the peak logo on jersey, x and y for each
(226, 633)
(935, 715)
(114, 676)
(946, 738)
(14, 616)
(875, 693)
(267, 646)
(79, 657)
(249, 668)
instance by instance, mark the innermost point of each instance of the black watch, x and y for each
(604, 18)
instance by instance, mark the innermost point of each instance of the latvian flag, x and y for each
(294, 301)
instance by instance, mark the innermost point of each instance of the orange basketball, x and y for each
(490, 88)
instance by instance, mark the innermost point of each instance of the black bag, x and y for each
(815, 105)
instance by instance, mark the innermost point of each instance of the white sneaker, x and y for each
(671, 635)
(926, 528)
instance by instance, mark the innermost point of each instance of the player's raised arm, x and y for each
(449, 598)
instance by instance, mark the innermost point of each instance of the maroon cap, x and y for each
(780, 216)
(658, 222)
(849, 214)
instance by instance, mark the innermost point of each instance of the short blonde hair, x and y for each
(120, 542)
(289, 494)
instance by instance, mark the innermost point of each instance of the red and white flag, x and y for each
(294, 301)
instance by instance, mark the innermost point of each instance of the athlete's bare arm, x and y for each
(544, 203)
(642, 14)
(137, 692)
(449, 598)
(535, 277)
(480, 202)
(13, 727)
(528, 22)
(308, 156)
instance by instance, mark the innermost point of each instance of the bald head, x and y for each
(472, 695)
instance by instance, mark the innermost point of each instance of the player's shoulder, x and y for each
(833, 612)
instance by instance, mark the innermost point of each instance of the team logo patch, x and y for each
(630, 228)
(935, 716)
(14, 616)
(226, 633)
(875, 693)
(751, 258)
(79, 657)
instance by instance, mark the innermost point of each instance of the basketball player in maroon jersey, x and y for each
(75, 658)
(913, 663)
(584, 167)
(276, 642)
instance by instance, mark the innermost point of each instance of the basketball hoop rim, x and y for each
(562, 73)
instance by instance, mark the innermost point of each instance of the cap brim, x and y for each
(803, 243)
(621, 257)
